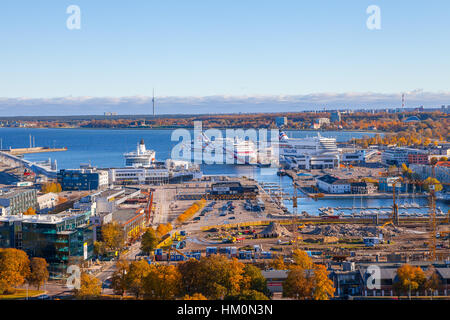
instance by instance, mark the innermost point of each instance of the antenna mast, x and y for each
(153, 102)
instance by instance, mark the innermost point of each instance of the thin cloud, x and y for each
(23, 106)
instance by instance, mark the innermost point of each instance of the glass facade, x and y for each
(62, 243)
(78, 180)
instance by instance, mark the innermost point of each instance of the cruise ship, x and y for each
(238, 151)
(141, 157)
(309, 153)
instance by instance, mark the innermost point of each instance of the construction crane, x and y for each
(171, 248)
(394, 182)
(432, 188)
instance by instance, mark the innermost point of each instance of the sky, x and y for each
(236, 49)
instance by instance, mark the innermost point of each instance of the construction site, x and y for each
(252, 226)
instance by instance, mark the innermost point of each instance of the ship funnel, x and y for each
(141, 147)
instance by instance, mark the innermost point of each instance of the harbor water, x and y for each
(104, 148)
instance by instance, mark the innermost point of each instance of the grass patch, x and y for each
(21, 294)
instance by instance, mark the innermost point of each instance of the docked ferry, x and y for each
(236, 150)
(309, 153)
(141, 157)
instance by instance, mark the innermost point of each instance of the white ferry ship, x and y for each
(238, 151)
(141, 157)
(309, 153)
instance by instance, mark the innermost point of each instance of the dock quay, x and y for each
(38, 168)
(19, 151)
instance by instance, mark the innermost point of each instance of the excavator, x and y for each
(387, 223)
(390, 222)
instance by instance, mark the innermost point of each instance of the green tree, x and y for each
(248, 295)
(39, 273)
(149, 241)
(255, 279)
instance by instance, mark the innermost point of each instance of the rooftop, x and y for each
(123, 216)
(226, 184)
(40, 218)
(333, 180)
(8, 193)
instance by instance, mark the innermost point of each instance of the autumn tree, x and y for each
(162, 283)
(14, 269)
(30, 212)
(137, 272)
(301, 259)
(99, 248)
(119, 279)
(323, 286)
(39, 273)
(90, 287)
(278, 263)
(195, 296)
(298, 284)
(431, 182)
(149, 241)
(215, 276)
(113, 236)
(51, 187)
(409, 279)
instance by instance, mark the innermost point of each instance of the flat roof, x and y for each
(8, 193)
(41, 218)
(124, 215)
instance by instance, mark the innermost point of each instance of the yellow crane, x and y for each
(176, 250)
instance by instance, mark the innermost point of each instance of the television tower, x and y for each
(153, 102)
(403, 100)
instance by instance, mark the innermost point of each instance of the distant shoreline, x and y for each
(192, 128)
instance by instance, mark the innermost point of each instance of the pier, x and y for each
(38, 168)
(19, 151)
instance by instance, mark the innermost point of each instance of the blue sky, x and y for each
(237, 48)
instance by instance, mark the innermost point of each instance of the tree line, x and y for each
(17, 269)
